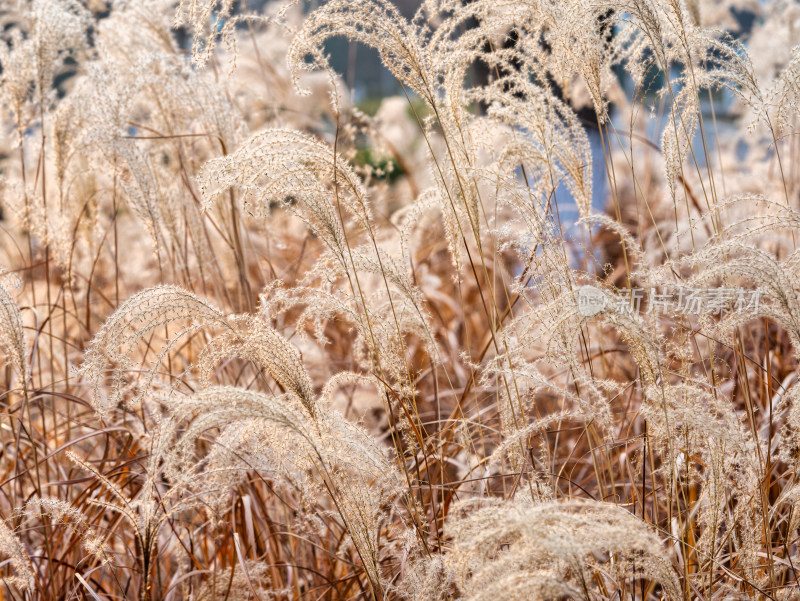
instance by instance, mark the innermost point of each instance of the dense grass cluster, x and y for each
(530, 331)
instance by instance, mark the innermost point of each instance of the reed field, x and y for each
(528, 329)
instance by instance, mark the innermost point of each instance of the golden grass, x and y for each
(259, 344)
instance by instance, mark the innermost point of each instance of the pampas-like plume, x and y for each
(775, 281)
(12, 548)
(291, 167)
(545, 551)
(241, 583)
(118, 341)
(251, 338)
(12, 335)
(18, 76)
(374, 22)
(63, 513)
(350, 465)
(248, 337)
(59, 29)
(787, 92)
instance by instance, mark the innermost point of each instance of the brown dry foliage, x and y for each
(243, 361)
